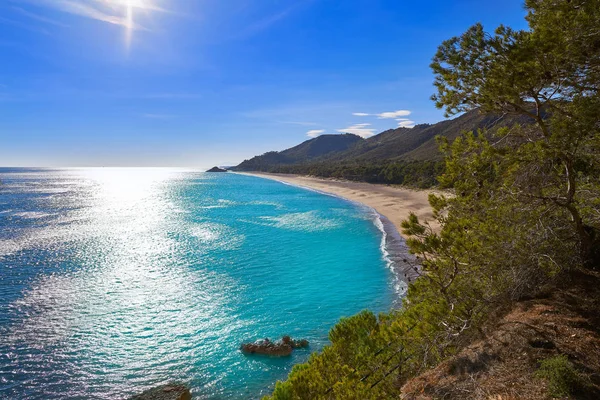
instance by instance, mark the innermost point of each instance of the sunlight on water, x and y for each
(114, 280)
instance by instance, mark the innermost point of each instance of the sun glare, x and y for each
(129, 7)
(131, 3)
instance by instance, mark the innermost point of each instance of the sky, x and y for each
(197, 83)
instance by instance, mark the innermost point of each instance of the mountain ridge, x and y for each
(308, 150)
(417, 144)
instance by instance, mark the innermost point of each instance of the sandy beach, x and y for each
(393, 202)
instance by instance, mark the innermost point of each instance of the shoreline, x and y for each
(391, 204)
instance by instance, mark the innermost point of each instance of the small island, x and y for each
(216, 169)
(172, 391)
(279, 348)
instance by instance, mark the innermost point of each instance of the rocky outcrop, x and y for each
(173, 391)
(268, 348)
(280, 348)
(216, 169)
(296, 344)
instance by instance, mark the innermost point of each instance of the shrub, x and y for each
(563, 379)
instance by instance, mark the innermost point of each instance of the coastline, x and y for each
(393, 204)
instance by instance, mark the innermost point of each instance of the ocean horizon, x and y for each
(116, 280)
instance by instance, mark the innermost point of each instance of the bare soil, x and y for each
(563, 320)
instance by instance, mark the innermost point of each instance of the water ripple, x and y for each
(112, 281)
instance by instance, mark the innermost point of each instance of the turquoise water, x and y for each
(115, 280)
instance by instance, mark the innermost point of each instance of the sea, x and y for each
(116, 280)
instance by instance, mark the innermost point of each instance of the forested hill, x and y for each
(321, 146)
(403, 155)
(419, 143)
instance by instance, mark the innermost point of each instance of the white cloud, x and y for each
(23, 26)
(359, 130)
(109, 11)
(394, 114)
(315, 132)
(385, 115)
(40, 18)
(406, 124)
(266, 22)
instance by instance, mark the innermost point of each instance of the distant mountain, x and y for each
(312, 149)
(419, 144)
(216, 169)
(404, 155)
(408, 144)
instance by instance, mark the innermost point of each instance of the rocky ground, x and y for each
(563, 320)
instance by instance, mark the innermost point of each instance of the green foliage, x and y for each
(420, 174)
(525, 204)
(563, 379)
(548, 74)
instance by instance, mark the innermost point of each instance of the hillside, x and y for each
(559, 327)
(402, 156)
(416, 143)
(306, 151)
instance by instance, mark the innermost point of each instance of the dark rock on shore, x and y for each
(173, 391)
(280, 348)
(216, 169)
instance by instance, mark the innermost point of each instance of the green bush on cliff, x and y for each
(525, 207)
(563, 379)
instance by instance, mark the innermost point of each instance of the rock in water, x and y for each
(280, 348)
(268, 348)
(173, 391)
(296, 344)
(216, 169)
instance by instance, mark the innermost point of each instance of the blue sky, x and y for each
(204, 82)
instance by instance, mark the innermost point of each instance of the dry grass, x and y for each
(502, 366)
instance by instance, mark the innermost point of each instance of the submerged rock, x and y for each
(216, 169)
(172, 391)
(280, 348)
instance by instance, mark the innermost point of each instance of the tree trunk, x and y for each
(589, 246)
(590, 249)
